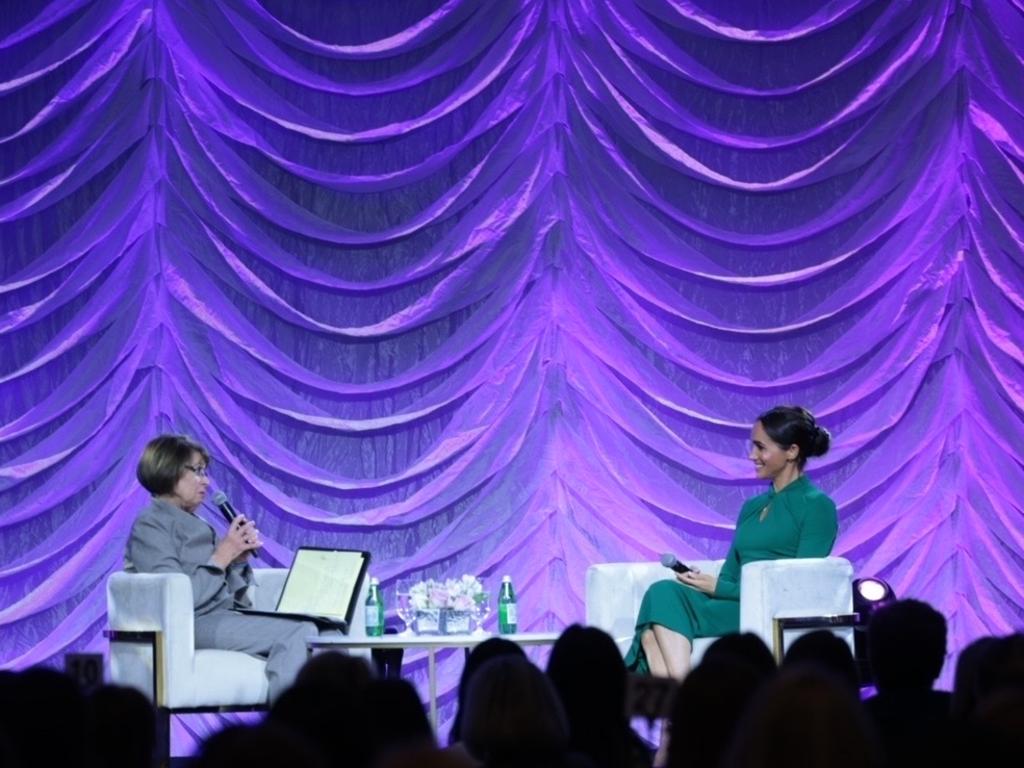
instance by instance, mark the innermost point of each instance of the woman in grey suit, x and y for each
(168, 537)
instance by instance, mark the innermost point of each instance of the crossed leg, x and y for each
(668, 652)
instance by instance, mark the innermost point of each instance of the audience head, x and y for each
(429, 758)
(906, 645)
(335, 670)
(397, 721)
(587, 671)
(999, 728)
(965, 681)
(748, 647)
(824, 649)
(491, 648)
(589, 675)
(325, 707)
(789, 425)
(1001, 666)
(709, 703)
(31, 703)
(804, 714)
(8, 756)
(513, 715)
(268, 745)
(124, 725)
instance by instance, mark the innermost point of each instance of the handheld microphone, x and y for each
(230, 513)
(671, 561)
(221, 500)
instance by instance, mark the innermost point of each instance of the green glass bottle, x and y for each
(374, 610)
(508, 622)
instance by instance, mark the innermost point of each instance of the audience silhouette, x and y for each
(268, 745)
(491, 648)
(397, 721)
(734, 710)
(746, 646)
(514, 718)
(966, 690)
(804, 716)
(826, 650)
(906, 650)
(995, 732)
(45, 720)
(124, 727)
(710, 702)
(328, 711)
(589, 675)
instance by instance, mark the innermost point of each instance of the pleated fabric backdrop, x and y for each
(498, 286)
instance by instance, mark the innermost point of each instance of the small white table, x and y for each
(432, 644)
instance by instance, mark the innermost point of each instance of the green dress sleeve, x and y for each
(728, 585)
(819, 529)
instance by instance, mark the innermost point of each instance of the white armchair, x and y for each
(152, 648)
(778, 598)
(152, 644)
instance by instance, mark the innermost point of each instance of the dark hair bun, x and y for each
(793, 425)
(821, 439)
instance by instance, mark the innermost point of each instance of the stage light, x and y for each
(869, 594)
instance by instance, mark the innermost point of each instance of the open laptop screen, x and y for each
(324, 583)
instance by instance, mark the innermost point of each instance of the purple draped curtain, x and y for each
(498, 287)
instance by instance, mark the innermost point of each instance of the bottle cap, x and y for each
(374, 581)
(506, 578)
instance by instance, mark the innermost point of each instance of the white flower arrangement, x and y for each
(454, 594)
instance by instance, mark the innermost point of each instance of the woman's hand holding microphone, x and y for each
(240, 541)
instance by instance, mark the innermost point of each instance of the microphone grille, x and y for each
(219, 498)
(668, 560)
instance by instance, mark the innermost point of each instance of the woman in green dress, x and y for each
(793, 518)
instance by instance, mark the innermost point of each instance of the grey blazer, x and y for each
(167, 539)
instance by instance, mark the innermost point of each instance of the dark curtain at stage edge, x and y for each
(498, 287)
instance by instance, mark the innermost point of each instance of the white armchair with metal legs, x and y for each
(152, 648)
(778, 598)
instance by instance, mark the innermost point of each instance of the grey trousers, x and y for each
(282, 642)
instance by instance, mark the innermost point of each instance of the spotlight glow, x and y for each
(872, 590)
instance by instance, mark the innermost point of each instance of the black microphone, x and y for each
(221, 500)
(671, 561)
(230, 513)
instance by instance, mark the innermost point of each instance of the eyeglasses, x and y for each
(199, 471)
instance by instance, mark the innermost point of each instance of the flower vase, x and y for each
(428, 621)
(456, 622)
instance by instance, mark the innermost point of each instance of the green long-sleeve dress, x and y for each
(798, 521)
